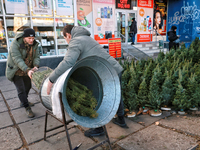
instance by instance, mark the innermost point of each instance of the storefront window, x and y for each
(44, 30)
(46, 17)
(3, 45)
(61, 42)
(16, 25)
(42, 8)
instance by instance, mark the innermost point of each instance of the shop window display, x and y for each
(61, 42)
(16, 25)
(44, 30)
(48, 21)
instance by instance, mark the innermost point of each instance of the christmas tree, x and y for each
(167, 90)
(193, 90)
(154, 89)
(80, 99)
(131, 101)
(143, 94)
(181, 100)
(124, 81)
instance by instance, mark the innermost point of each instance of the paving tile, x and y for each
(59, 141)
(3, 106)
(33, 98)
(10, 94)
(4, 81)
(10, 139)
(115, 132)
(7, 87)
(20, 114)
(157, 138)
(34, 130)
(15, 102)
(148, 120)
(186, 124)
(5, 120)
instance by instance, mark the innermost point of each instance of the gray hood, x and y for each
(79, 31)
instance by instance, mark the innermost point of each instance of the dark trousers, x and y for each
(23, 86)
(120, 111)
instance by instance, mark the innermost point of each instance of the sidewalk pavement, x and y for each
(166, 132)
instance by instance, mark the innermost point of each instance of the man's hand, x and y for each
(49, 86)
(30, 73)
(35, 69)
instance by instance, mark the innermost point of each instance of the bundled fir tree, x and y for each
(81, 99)
(148, 72)
(124, 83)
(193, 91)
(160, 58)
(181, 100)
(167, 91)
(154, 90)
(143, 94)
(131, 101)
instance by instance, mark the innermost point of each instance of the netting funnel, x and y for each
(98, 75)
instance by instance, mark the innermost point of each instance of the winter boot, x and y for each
(120, 121)
(94, 132)
(29, 112)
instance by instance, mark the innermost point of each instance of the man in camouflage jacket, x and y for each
(23, 60)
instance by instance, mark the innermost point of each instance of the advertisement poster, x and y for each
(84, 14)
(64, 8)
(160, 14)
(42, 7)
(12, 7)
(145, 20)
(103, 12)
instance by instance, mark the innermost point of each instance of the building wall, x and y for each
(185, 14)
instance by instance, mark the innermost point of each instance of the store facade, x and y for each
(103, 18)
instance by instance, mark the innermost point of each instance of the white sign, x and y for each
(42, 7)
(64, 7)
(16, 7)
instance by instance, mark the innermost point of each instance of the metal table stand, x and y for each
(65, 123)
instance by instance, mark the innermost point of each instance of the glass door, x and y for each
(124, 20)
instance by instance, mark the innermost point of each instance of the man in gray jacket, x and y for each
(81, 45)
(23, 60)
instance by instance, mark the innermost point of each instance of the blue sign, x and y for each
(185, 15)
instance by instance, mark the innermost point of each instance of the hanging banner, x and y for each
(104, 18)
(64, 8)
(16, 7)
(42, 7)
(160, 14)
(84, 14)
(145, 20)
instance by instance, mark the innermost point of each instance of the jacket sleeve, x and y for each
(36, 60)
(172, 37)
(17, 57)
(69, 60)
